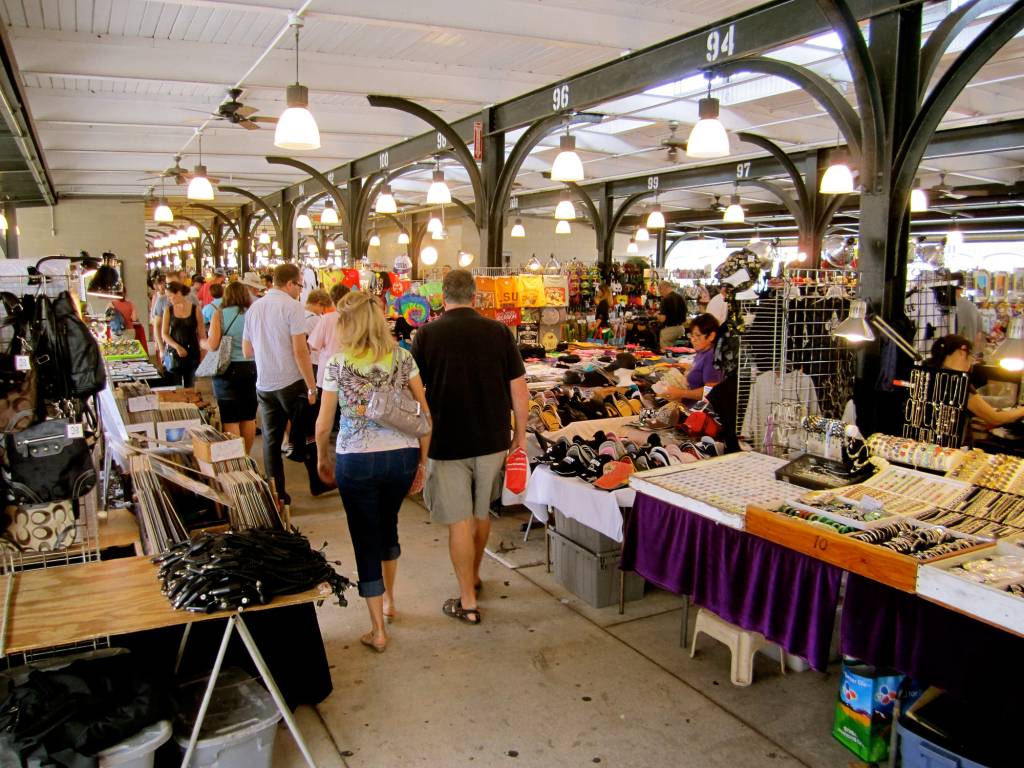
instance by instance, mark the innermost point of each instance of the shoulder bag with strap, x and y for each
(391, 407)
(217, 360)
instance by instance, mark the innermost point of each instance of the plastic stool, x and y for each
(742, 643)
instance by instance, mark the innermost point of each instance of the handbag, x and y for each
(391, 407)
(18, 385)
(217, 360)
(41, 527)
(45, 465)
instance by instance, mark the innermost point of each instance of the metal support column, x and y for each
(492, 230)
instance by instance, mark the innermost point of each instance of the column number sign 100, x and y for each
(720, 44)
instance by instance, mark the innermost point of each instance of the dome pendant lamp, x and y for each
(163, 213)
(642, 235)
(302, 221)
(438, 193)
(734, 214)
(385, 202)
(329, 216)
(200, 188)
(656, 219)
(565, 210)
(296, 128)
(518, 230)
(567, 165)
(708, 138)
(838, 178)
(918, 198)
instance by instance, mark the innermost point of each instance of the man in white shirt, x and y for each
(275, 336)
(719, 306)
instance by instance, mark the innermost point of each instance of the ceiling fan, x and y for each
(237, 113)
(672, 143)
(942, 190)
(174, 172)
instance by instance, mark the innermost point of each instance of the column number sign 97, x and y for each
(721, 44)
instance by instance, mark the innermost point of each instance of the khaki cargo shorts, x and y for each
(457, 489)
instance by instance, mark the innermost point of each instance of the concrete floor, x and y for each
(545, 680)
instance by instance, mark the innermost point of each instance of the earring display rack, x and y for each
(934, 412)
(931, 306)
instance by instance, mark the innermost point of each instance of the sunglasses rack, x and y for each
(935, 410)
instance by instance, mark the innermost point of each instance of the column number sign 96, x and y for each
(721, 44)
(560, 98)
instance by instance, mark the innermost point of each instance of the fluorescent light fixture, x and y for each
(438, 193)
(642, 235)
(429, 255)
(518, 230)
(656, 219)
(329, 215)
(385, 200)
(302, 221)
(563, 228)
(163, 213)
(567, 165)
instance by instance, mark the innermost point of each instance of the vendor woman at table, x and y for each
(953, 353)
(702, 372)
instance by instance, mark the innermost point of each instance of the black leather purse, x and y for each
(45, 465)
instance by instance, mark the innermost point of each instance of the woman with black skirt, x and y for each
(235, 389)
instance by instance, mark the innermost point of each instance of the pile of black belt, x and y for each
(215, 572)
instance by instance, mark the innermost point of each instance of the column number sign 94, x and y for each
(721, 44)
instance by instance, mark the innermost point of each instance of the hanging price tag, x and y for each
(75, 431)
(22, 363)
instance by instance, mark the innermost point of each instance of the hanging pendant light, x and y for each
(465, 259)
(518, 230)
(302, 221)
(656, 219)
(311, 249)
(438, 193)
(296, 128)
(441, 234)
(182, 235)
(403, 238)
(954, 238)
(264, 238)
(330, 246)
(632, 248)
(708, 137)
(565, 210)
(567, 165)
(734, 214)
(838, 178)
(563, 228)
(200, 188)
(642, 235)
(374, 241)
(163, 212)
(329, 215)
(192, 231)
(434, 225)
(385, 200)
(918, 198)
(429, 255)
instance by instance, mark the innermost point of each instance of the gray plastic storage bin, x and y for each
(917, 752)
(584, 535)
(591, 576)
(138, 751)
(240, 724)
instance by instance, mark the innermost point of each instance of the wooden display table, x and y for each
(69, 604)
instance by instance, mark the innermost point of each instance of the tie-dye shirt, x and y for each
(354, 379)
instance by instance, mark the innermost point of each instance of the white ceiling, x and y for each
(118, 87)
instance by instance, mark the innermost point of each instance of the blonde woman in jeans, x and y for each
(374, 466)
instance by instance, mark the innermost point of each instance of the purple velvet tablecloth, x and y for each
(746, 580)
(889, 628)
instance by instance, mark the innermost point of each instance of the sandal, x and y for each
(453, 607)
(550, 418)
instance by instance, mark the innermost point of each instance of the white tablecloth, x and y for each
(575, 498)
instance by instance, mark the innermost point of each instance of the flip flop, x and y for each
(453, 608)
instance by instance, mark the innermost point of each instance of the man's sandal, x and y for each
(453, 608)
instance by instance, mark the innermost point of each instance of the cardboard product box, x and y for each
(211, 453)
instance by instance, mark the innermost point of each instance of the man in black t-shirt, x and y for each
(474, 377)
(672, 314)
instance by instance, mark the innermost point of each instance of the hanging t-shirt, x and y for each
(531, 290)
(506, 292)
(355, 378)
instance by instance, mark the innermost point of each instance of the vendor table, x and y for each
(59, 606)
(758, 585)
(578, 499)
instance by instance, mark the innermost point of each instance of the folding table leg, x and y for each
(181, 647)
(684, 626)
(261, 665)
(214, 674)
